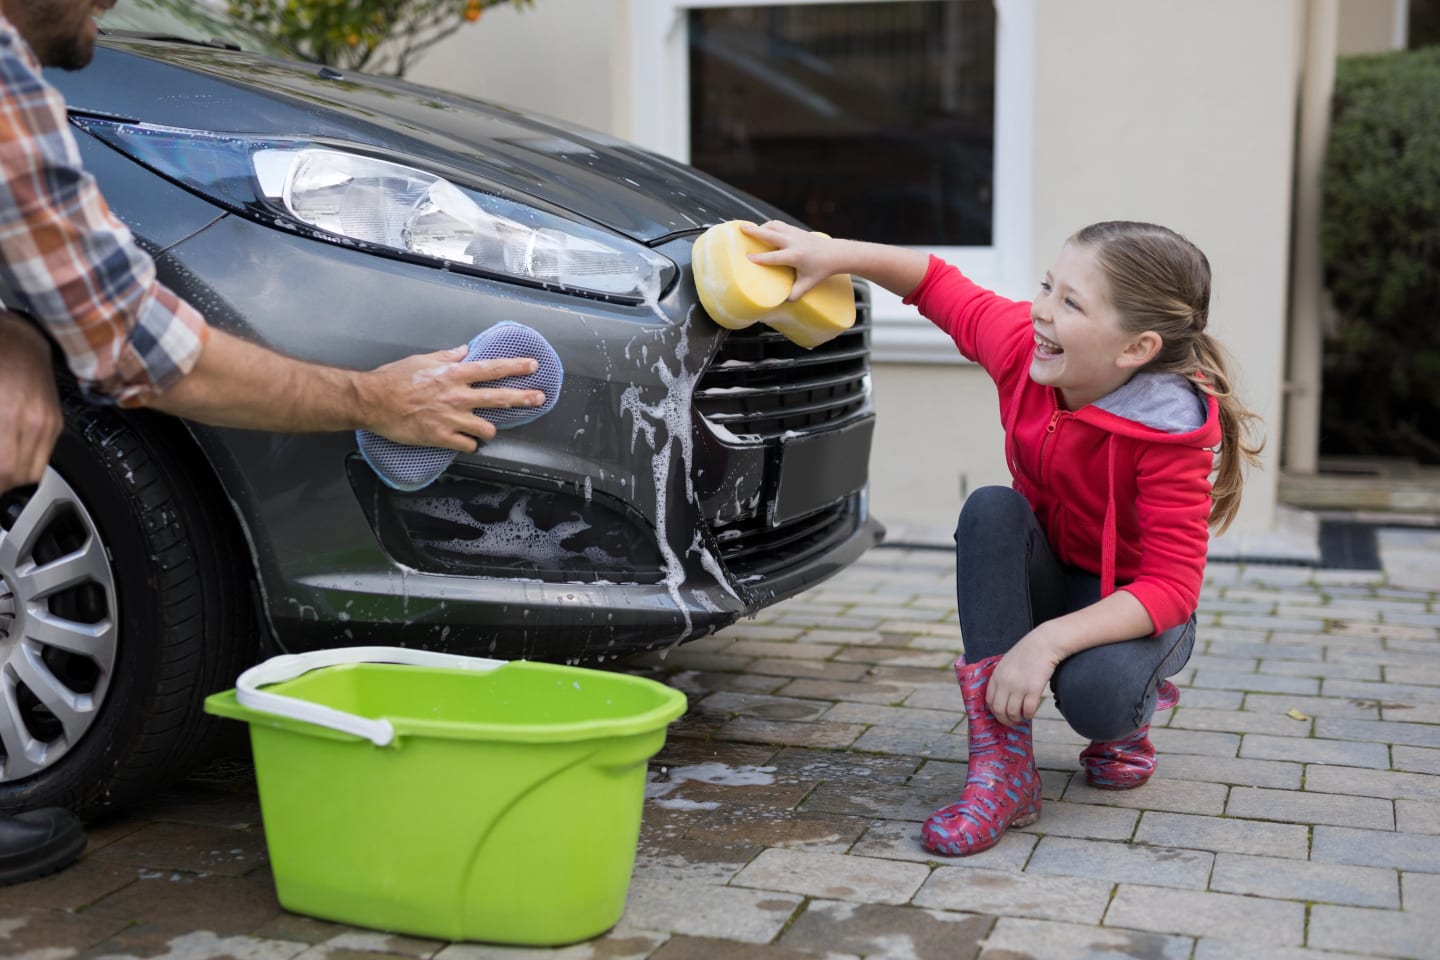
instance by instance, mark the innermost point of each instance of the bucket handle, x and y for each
(288, 666)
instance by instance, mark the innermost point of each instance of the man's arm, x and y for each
(426, 399)
(30, 418)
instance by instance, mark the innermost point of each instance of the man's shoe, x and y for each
(38, 842)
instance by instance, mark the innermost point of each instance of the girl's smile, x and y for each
(1046, 349)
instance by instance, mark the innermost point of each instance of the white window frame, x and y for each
(659, 108)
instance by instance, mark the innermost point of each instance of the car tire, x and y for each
(123, 506)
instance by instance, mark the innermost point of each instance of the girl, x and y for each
(1085, 575)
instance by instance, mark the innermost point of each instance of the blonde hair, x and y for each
(1160, 281)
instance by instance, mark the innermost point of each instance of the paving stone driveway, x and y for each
(1295, 814)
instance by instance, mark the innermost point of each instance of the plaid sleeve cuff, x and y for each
(163, 347)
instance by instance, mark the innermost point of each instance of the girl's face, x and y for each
(1080, 348)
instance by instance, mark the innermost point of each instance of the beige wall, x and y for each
(937, 437)
(1367, 26)
(554, 58)
(1181, 112)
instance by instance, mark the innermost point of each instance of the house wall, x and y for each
(1369, 26)
(555, 58)
(1181, 113)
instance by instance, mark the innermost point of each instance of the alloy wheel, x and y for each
(59, 629)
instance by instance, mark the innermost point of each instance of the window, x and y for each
(898, 121)
(873, 120)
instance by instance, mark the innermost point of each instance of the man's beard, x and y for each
(67, 47)
(71, 54)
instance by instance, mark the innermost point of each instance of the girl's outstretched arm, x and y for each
(815, 257)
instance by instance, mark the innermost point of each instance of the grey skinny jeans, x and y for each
(1007, 580)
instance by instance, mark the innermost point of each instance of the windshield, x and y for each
(197, 21)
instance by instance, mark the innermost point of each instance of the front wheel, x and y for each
(122, 605)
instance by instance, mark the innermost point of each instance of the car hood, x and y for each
(592, 175)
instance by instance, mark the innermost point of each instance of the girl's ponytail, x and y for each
(1239, 449)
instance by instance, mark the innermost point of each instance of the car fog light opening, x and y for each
(473, 522)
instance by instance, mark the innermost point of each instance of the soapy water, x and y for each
(711, 565)
(649, 287)
(679, 803)
(664, 781)
(703, 601)
(673, 413)
(517, 537)
(453, 508)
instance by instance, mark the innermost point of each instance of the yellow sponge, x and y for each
(737, 293)
(826, 311)
(734, 291)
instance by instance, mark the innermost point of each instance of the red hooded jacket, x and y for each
(1116, 497)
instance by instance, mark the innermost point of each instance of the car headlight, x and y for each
(339, 194)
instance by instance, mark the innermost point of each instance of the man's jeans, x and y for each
(1007, 580)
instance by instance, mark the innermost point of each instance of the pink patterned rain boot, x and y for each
(1126, 763)
(1002, 787)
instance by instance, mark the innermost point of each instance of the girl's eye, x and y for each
(1070, 302)
(1044, 286)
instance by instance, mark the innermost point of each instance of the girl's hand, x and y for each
(1015, 688)
(813, 256)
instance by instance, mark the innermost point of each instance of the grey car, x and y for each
(688, 476)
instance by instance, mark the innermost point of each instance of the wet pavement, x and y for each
(1295, 814)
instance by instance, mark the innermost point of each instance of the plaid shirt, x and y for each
(68, 261)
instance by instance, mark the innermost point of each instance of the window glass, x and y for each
(870, 120)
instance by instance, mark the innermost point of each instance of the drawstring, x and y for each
(1011, 459)
(1107, 536)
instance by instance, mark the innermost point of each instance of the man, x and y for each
(78, 272)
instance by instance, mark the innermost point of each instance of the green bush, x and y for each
(381, 36)
(1381, 239)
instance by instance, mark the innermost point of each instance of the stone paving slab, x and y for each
(1014, 938)
(1297, 880)
(1295, 814)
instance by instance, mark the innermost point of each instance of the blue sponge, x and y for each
(407, 467)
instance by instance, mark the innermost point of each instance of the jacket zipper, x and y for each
(1045, 444)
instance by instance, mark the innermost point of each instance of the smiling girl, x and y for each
(1084, 574)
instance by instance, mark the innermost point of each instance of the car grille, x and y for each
(752, 551)
(761, 385)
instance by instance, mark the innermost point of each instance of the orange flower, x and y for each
(472, 11)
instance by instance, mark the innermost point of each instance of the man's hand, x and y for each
(429, 399)
(1018, 683)
(30, 418)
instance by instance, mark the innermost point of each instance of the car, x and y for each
(688, 476)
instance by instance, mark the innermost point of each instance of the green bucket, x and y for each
(449, 797)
